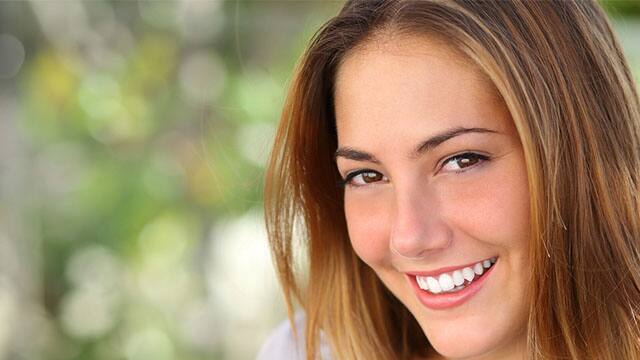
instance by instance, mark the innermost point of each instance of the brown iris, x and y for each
(371, 177)
(467, 160)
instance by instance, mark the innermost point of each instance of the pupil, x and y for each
(371, 177)
(466, 161)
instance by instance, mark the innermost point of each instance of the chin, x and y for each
(471, 342)
(462, 349)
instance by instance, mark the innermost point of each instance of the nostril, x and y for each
(408, 253)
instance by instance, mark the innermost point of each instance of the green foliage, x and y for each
(142, 130)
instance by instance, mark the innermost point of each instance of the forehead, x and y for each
(412, 85)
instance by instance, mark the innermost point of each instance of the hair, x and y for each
(562, 75)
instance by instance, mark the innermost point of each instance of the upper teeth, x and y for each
(454, 281)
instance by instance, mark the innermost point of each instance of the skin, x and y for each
(422, 212)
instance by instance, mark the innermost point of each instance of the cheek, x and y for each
(368, 226)
(493, 207)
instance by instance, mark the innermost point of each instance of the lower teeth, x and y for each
(455, 289)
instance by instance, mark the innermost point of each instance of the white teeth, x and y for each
(422, 283)
(454, 281)
(446, 282)
(478, 269)
(434, 285)
(468, 274)
(457, 278)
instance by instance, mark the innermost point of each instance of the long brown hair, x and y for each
(563, 77)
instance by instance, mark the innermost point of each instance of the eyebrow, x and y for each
(424, 146)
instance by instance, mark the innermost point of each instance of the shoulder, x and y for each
(282, 344)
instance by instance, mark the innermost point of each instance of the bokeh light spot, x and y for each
(202, 77)
(149, 344)
(87, 312)
(11, 56)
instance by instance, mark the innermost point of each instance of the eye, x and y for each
(363, 178)
(462, 162)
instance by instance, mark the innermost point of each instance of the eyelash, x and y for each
(348, 180)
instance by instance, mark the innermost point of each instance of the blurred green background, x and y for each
(133, 138)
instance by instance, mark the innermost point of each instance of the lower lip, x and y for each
(449, 300)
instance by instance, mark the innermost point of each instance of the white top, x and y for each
(281, 344)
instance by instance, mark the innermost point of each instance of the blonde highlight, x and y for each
(561, 73)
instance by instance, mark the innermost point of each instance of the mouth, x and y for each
(451, 286)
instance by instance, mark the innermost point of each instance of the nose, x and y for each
(418, 227)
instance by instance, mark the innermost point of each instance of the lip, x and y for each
(445, 301)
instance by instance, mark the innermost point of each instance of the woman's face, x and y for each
(436, 196)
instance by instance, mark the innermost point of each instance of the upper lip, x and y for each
(445, 269)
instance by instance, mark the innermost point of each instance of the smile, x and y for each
(456, 280)
(450, 287)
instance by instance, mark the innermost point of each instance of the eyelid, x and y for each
(347, 180)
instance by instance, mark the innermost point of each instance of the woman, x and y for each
(487, 156)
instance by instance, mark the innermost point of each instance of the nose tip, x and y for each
(418, 247)
(418, 230)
